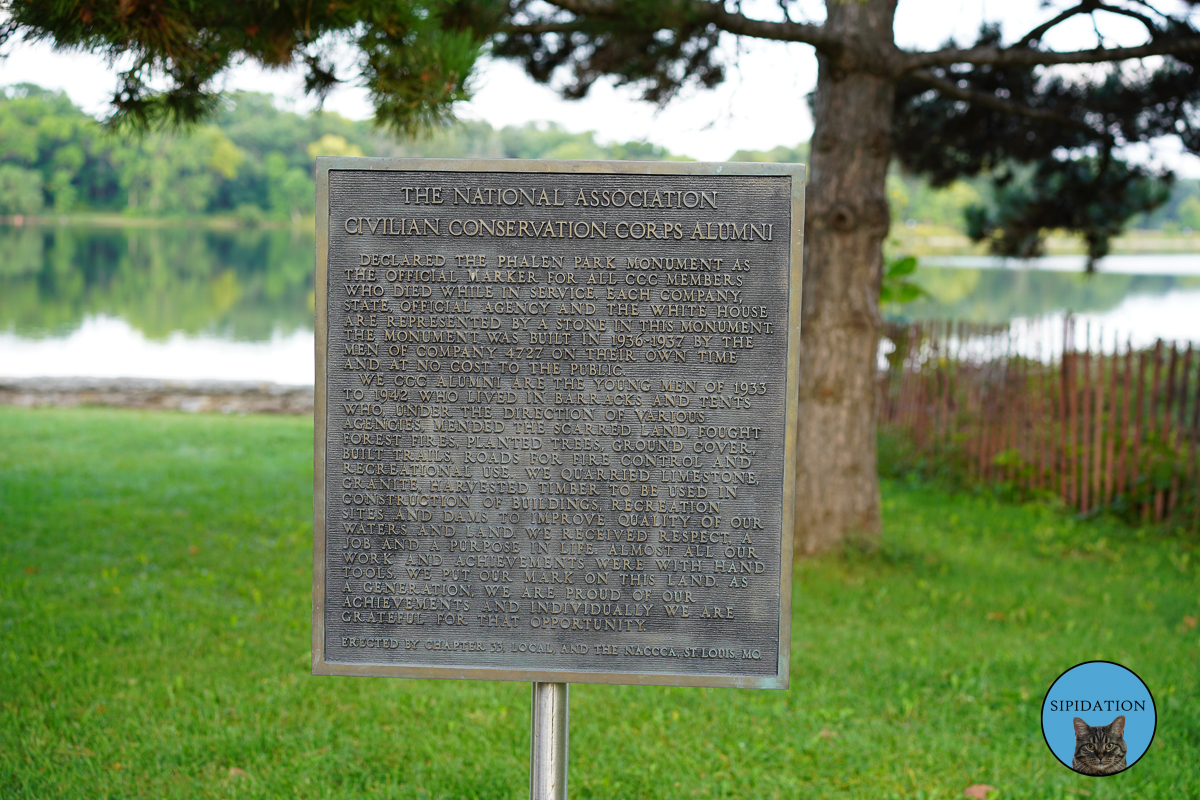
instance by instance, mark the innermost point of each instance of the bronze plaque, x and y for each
(555, 406)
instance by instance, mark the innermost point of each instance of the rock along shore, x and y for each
(225, 397)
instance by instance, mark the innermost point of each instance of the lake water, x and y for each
(190, 303)
(156, 303)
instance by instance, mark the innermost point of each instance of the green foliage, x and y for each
(42, 131)
(225, 167)
(164, 174)
(416, 57)
(1057, 163)
(251, 154)
(531, 140)
(897, 286)
(81, 166)
(1162, 466)
(289, 189)
(333, 146)
(158, 646)
(1095, 196)
(1170, 215)
(415, 71)
(20, 190)
(946, 466)
(914, 198)
(1189, 213)
(776, 155)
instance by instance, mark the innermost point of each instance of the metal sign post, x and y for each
(549, 738)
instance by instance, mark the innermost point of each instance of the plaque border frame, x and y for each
(798, 174)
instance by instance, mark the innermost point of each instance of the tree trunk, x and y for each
(837, 487)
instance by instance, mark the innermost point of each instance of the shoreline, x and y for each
(99, 219)
(151, 394)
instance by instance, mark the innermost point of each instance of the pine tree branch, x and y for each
(1148, 23)
(732, 22)
(1145, 4)
(543, 27)
(1086, 7)
(1025, 57)
(1037, 33)
(990, 101)
(739, 24)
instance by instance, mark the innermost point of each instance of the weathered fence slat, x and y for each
(1154, 504)
(1193, 468)
(1168, 435)
(1015, 405)
(1098, 430)
(1085, 427)
(1114, 413)
(1126, 408)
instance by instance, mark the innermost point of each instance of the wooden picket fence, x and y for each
(1103, 426)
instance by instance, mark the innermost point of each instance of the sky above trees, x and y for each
(763, 104)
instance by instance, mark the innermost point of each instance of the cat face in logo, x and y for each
(1099, 750)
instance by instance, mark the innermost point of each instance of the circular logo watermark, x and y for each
(1098, 718)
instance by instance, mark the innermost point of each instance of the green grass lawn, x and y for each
(155, 578)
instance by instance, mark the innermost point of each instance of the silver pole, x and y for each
(548, 742)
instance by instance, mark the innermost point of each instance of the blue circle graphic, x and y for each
(1098, 692)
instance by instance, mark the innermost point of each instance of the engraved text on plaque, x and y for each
(553, 404)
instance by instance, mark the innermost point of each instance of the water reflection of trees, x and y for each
(244, 284)
(992, 295)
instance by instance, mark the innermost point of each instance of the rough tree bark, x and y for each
(837, 488)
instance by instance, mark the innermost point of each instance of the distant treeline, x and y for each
(913, 201)
(254, 161)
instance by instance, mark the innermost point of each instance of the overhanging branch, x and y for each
(733, 22)
(1037, 33)
(1018, 55)
(542, 27)
(1025, 57)
(990, 101)
(1086, 7)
